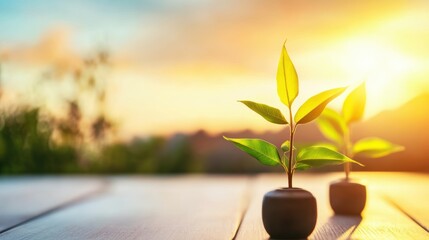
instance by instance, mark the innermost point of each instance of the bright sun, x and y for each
(382, 67)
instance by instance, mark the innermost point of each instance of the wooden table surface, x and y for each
(200, 207)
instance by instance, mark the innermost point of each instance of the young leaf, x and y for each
(354, 105)
(315, 105)
(265, 152)
(302, 166)
(287, 79)
(332, 125)
(269, 113)
(316, 156)
(286, 146)
(285, 161)
(375, 147)
(329, 145)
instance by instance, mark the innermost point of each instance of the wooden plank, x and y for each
(409, 192)
(380, 219)
(24, 198)
(252, 226)
(179, 207)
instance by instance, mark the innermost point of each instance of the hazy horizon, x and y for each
(181, 67)
(411, 103)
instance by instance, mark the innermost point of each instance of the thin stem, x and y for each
(347, 170)
(346, 151)
(292, 132)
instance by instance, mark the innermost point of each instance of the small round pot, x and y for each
(289, 213)
(347, 197)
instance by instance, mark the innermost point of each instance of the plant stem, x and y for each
(292, 132)
(346, 151)
(347, 170)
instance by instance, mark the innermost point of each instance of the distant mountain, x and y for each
(407, 125)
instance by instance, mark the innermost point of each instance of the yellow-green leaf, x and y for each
(354, 105)
(315, 105)
(286, 146)
(301, 166)
(285, 161)
(270, 114)
(332, 125)
(327, 145)
(265, 152)
(375, 147)
(287, 79)
(316, 156)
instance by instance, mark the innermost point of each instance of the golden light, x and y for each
(383, 67)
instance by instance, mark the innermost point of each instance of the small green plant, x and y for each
(287, 90)
(336, 127)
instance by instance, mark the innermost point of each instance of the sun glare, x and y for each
(383, 67)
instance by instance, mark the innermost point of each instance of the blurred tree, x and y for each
(34, 139)
(85, 125)
(176, 156)
(26, 146)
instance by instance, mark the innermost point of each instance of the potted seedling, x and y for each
(348, 196)
(290, 212)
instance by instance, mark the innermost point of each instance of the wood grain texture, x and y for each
(252, 226)
(212, 207)
(179, 207)
(380, 220)
(24, 198)
(409, 192)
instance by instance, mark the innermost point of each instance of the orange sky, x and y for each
(182, 67)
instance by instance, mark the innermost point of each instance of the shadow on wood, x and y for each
(341, 226)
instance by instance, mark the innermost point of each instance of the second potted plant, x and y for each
(290, 212)
(347, 196)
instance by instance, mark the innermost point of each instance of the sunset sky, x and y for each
(180, 66)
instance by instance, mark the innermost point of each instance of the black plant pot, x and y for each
(347, 197)
(289, 213)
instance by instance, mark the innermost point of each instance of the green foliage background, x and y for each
(26, 147)
(34, 140)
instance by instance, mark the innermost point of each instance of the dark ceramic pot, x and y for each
(289, 213)
(347, 197)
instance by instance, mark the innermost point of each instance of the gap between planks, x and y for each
(152, 207)
(58, 202)
(245, 202)
(380, 219)
(408, 192)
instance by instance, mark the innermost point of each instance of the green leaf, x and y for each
(265, 152)
(287, 79)
(316, 156)
(332, 125)
(329, 145)
(315, 105)
(302, 166)
(375, 147)
(286, 146)
(285, 161)
(269, 113)
(354, 105)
